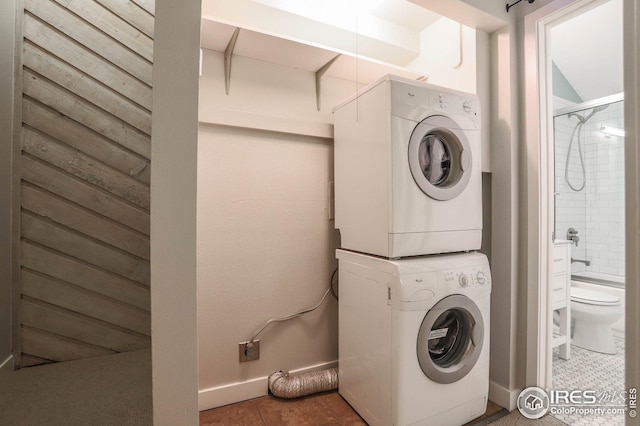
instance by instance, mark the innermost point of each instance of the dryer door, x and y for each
(450, 339)
(440, 157)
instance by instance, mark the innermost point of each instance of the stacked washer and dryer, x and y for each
(414, 293)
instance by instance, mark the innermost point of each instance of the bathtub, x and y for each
(610, 284)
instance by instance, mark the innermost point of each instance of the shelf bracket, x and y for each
(319, 75)
(228, 52)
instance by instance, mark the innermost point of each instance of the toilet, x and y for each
(592, 313)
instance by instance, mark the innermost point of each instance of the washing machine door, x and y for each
(440, 157)
(450, 339)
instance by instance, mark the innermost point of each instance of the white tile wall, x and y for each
(597, 212)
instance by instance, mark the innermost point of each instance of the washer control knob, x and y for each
(481, 278)
(466, 106)
(463, 280)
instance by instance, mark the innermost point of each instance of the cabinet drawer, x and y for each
(560, 282)
(559, 288)
(560, 258)
(559, 295)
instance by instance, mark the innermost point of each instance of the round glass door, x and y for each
(434, 156)
(450, 339)
(439, 158)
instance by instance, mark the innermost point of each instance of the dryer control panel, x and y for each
(415, 101)
(454, 104)
(467, 278)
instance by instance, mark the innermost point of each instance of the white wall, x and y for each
(483, 91)
(441, 56)
(173, 213)
(505, 375)
(265, 242)
(7, 48)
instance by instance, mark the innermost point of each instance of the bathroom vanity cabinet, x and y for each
(560, 287)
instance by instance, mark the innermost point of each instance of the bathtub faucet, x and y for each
(586, 262)
(572, 235)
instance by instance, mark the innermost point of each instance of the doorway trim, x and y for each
(538, 133)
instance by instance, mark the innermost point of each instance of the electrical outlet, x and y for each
(249, 351)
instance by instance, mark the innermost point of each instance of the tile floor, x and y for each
(587, 370)
(315, 410)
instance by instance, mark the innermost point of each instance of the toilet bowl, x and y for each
(592, 313)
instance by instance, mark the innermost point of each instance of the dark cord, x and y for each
(333, 291)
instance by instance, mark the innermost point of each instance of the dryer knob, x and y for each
(481, 278)
(466, 106)
(463, 280)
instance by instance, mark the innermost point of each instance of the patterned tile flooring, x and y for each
(587, 370)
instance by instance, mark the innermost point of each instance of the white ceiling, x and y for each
(588, 51)
(402, 13)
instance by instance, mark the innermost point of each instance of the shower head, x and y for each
(595, 110)
(578, 116)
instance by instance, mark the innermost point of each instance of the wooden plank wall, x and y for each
(85, 168)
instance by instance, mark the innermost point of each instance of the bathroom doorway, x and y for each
(586, 174)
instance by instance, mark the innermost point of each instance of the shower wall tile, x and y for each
(597, 212)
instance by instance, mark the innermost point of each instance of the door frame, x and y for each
(538, 118)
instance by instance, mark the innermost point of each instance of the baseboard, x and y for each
(504, 397)
(7, 365)
(241, 391)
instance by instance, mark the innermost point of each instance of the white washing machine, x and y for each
(408, 178)
(414, 337)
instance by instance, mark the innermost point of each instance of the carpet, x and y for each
(113, 390)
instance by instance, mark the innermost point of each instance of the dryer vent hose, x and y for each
(285, 385)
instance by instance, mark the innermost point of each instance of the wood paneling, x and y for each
(80, 219)
(79, 84)
(86, 61)
(85, 172)
(79, 300)
(84, 275)
(130, 11)
(55, 347)
(80, 165)
(113, 25)
(86, 113)
(81, 138)
(52, 318)
(81, 192)
(83, 32)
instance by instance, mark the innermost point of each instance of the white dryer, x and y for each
(414, 337)
(408, 178)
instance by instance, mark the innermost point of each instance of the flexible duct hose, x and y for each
(284, 385)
